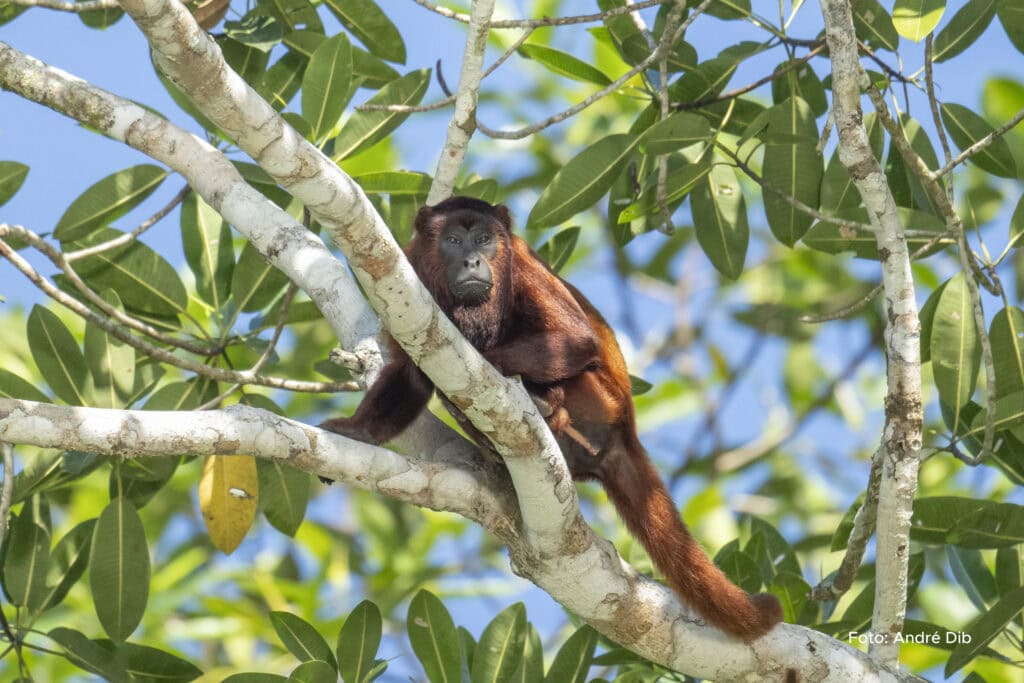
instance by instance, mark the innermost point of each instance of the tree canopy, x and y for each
(803, 222)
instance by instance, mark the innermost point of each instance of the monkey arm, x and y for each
(546, 357)
(390, 405)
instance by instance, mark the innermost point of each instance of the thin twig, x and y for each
(128, 237)
(545, 21)
(59, 260)
(867, 298)
(156, 353)
(789, 199)
(282, 318)
(6, 495)
(612, 87)
(890, 72)
(73, 7)
(662, 196)
(733, 94)
(832, 587)
(980, 144)
(933, 104)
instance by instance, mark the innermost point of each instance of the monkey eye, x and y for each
(483, 239)
(452, 239)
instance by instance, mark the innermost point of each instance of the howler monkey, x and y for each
(527, 321)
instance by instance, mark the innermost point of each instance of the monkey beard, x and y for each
(482, 323)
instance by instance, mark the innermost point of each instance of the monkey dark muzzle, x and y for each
(472, 292)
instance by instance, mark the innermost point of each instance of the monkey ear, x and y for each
(423, 216)
(501, 212)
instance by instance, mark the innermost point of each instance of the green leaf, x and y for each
(12, 386)
(1007, 337)
(255, 283)
(255, 30)
(707, 80)
(557, 250)
(501, 646)
(874, 25)
(149, 665)
(358, 642)
(625, 35)
(1009, 570)
(1011, 16)
(582, 181)
(984, 630)
(955, 347)
(209, 252)
(68, 562)
(531, 665)
(327, 85)
(792, 591)
(793, 167)
(729, 9)
(301, 638)
(572, 663)
(293, 14)
(968, 522)
(108, 200)
(254, 678)
(101, 18)
(467, 647)
(111, 363)
(88, 655)
(966, 128)
(143, 279)
(315, 671)
(678, 185)
(371, 26)
(27, 560)
(564, 64)
(58, 357)
(12, 175)
(119, 569)
(281, 81)
(720, 220)
(284, 493)
(366, 128)
(963, 29)
(404, 183)
(740, 567)
(915, 19)
(678, 130)
(969, 569)
(434, 639)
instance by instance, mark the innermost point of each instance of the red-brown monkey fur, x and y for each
(527, 321)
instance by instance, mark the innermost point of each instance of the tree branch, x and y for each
(903, 409)
(594, 581)
(463, 121)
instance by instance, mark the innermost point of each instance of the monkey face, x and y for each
(467, 251)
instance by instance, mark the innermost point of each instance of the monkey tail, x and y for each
(638, 493)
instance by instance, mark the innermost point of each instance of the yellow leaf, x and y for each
(228, 493)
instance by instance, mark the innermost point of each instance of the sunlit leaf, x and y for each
(108, 200)
(915, 19)
(720, 220)
(58, 357)
(564, 64)
(573, 660)
(358, 642)
(12, 175)
(581, 182)
(501, 646)
(984, 629)
(119, 569)
(370, 24)
(955, 347)
(302, 639)
(327, 85)
(228, 494)
(366, 128)
(966, 128)
(963, 29)
(434, 639)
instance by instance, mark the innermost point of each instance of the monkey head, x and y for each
(470, 240)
